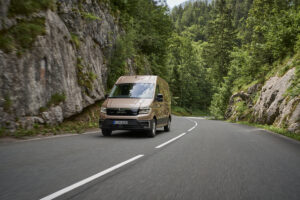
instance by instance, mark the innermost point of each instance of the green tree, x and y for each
(221, 42)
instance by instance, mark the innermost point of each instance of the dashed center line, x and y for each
(102, 173)
(169, 141)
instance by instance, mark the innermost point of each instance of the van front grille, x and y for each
(122, 111)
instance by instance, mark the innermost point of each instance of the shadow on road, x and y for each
(129, 134)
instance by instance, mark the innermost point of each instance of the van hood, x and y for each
(127, 103)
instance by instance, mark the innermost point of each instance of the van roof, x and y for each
(137, 79)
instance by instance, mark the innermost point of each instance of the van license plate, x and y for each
(120, 122)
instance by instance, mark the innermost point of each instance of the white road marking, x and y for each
(191, 128)
(196, 117)
(196, 124)
(89, 179)
(179, 136)
(169, 141)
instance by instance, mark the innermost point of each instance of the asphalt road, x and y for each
(198, 159)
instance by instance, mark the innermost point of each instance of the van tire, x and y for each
(168, 126)
(106, 132)
(151, 133)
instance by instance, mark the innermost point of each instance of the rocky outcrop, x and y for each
(267, 108)
(273, 106)
(246, 98)
(74, 50)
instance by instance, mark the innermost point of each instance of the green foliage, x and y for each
(267, 35)
(273, 27)
(221, 42)
(193, 18)
(188, 81)
(42, 109)
(294, 89)
(148, 29)
(75, 40)
(2, 132)
(27, 7)
(124, 49)
(22, 35)
(85, 77)
(90, 16)
(274, 129)
(243, 112)
(86, 120)
(56, 99)
(7, 104)
(180, 111)
(220, 100)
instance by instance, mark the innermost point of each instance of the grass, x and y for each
(274, 129)
(75, 40)
(65, 127)
(56, 99)
(89, 16)
(27, 7)
(294, 89)
(22, 35)
(7, 104)
(85, 78)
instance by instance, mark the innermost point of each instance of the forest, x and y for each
(208, 50)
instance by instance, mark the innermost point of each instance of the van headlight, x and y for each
(145, 110)
(103, 110)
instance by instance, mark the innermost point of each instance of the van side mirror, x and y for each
(159, 98)
(106, 96)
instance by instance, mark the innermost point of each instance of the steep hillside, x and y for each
(53, 59)
(271, 102)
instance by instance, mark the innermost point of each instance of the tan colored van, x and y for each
(137, 103)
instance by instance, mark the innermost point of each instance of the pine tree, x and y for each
(222, 38)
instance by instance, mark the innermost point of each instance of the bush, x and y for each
(75, 40)
(89, 16)
(56, 99)
(85, 78)
(7, 104)
(26, 7)
(22, 35)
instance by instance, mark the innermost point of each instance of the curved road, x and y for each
(198, 159)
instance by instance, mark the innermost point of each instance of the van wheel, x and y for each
(168, 126)
(152, 132)
(106, 132)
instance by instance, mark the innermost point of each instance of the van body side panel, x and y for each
(165, 105)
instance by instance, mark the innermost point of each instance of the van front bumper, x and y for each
(125, 124)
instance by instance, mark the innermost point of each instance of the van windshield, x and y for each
(133, 90)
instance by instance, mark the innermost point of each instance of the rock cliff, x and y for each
(63, 70)
(268, 104)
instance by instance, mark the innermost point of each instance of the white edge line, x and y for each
(196, 117)
(169, 141)
(191, 128)
(89, 179)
